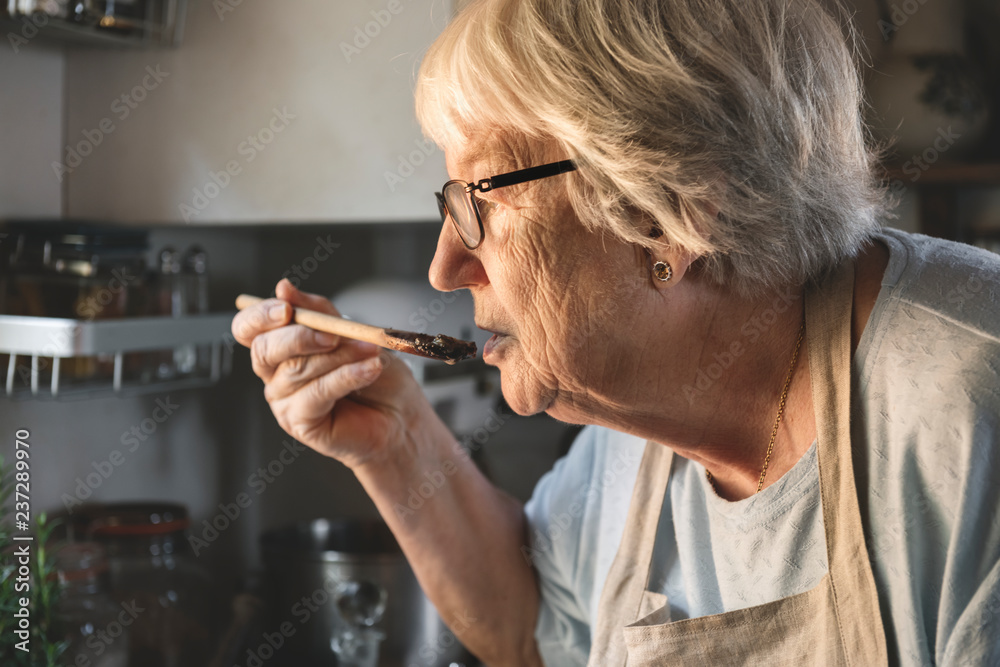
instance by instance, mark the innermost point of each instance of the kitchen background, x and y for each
(272, 130)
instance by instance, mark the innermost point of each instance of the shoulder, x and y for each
(927, 408)
(928, 368)
(956, 282)
(579, 507)
(936, 322)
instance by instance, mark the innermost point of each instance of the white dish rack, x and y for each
(58, 339)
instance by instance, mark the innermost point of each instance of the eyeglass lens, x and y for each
(459, 203)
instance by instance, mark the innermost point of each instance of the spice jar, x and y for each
(170, 299)
(194, 359)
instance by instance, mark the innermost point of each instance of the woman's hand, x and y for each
(344, 398)
(360, 405)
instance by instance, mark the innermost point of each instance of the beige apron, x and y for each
(836, 623)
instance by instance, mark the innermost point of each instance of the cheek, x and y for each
(560, 286)
(552, 312)
(538, 277)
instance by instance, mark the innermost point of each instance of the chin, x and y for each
(524, 400)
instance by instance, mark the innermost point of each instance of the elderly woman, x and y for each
(666, 213)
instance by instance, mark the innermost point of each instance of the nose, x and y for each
(455, 266)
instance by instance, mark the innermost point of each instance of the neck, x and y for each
(728, 360)
(729, 367)
(731, 419)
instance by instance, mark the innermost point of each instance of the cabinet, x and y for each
(269, 112)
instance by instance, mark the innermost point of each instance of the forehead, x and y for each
(468, 158)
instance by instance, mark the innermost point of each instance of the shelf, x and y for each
(985, 174)
(59, 339)
(22, 29)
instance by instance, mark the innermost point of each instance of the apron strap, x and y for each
(855, 598)
(632, 562)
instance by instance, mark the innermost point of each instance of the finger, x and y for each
(293, 295)
(255, 320)
(300, 412)
(270, 349)
(295, 373)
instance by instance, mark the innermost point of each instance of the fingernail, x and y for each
(277, 313)
(366, 348)
(324, 339)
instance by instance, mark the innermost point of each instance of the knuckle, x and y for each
(304, 337)
(319, 389)
(301, 431)
(296, 367)
(237, 328)
(242, 328)
(280, 416)
(259, 352)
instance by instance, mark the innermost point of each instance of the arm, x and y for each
(352, 402)
(463, 538)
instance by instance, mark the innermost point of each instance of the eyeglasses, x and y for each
(458, 199)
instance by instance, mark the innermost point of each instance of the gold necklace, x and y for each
(777, 421)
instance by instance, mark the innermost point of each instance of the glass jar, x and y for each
(170, 298)
(151, 566)
(95, 627)
(194, 359)
(77, 272)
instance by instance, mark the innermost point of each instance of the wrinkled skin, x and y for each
(562, 294)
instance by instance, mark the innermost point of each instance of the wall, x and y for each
(31, 129)
(308, 123)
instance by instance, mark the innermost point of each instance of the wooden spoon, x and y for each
(443, 348)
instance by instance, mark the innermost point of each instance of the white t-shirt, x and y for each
(926, 429)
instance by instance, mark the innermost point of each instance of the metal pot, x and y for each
(331, 579)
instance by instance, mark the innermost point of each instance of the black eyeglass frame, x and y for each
(493, 183)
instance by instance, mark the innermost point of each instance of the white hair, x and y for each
(673, 109)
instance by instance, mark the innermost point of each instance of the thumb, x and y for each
(286, 291)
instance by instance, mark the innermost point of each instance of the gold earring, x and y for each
(663, 272)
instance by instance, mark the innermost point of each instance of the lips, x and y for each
(495, 332)
(497, 339)
(491, 345)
